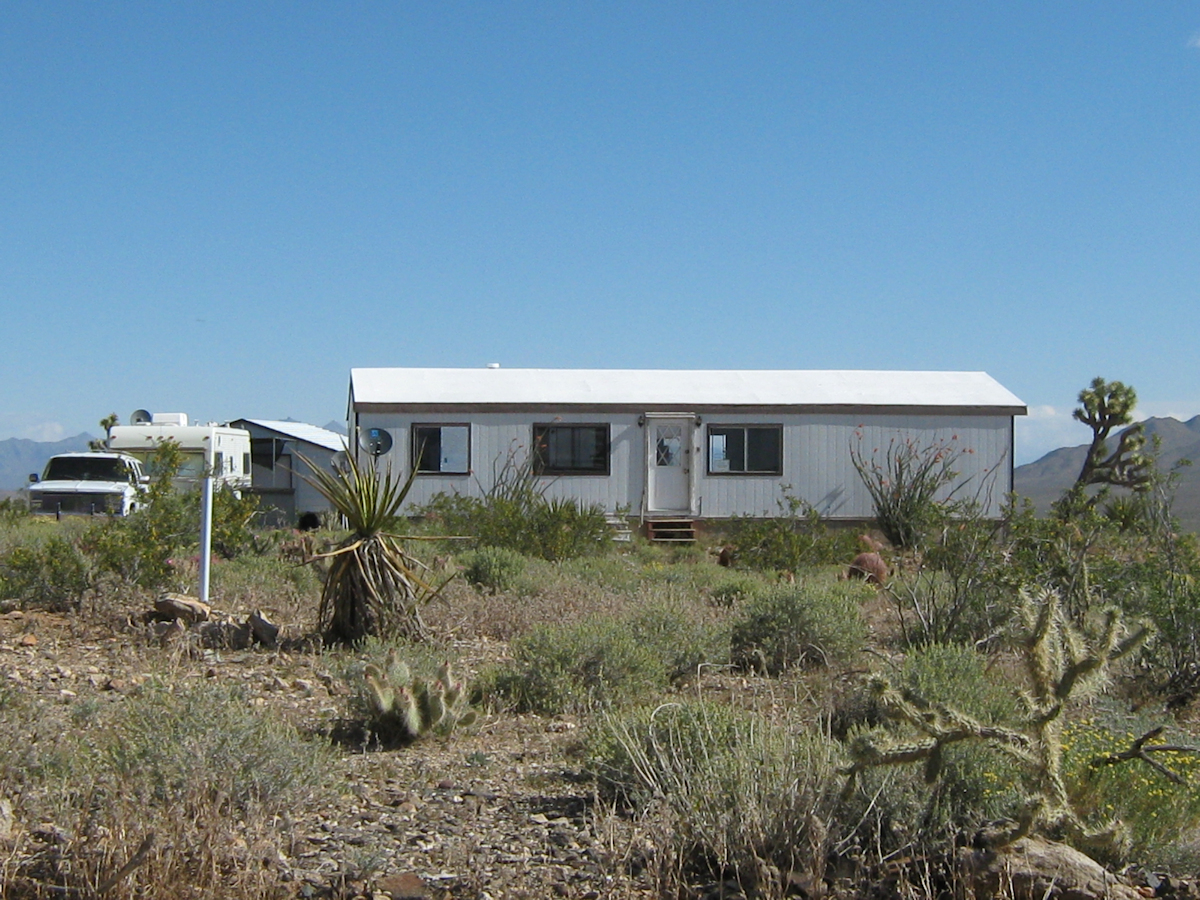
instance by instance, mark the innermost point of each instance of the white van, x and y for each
(87, 484)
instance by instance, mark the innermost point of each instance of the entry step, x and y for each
(673, 530)
(620, 528)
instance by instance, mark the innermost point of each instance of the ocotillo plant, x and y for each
(404, 708)
(1062, 665)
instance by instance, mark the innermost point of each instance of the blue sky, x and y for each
(221, 208)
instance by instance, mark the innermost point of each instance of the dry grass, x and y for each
(174, 784)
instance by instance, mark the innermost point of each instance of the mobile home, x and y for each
(672, 443)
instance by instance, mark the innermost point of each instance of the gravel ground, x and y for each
(498, 811)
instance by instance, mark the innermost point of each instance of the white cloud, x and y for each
(43, 431)
(1046, 428)
(1176, 409)
(1194, 43)
(30, 427)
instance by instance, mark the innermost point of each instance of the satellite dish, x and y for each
(140, 417)
(375, 441)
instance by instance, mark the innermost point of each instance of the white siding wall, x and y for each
(818, 468)
(497, 437)
(308, 498)
(816, 458)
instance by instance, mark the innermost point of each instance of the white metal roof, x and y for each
(302, 431)
(678, 389)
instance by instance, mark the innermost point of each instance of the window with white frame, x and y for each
(745, 449)
(443, 449)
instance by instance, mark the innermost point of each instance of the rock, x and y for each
(180, 606)
(50, 833)
(225, 635)
(8, 823)
(28, 640)
(264, 630)
(405, 886)
(165, 632)
(1037, 869)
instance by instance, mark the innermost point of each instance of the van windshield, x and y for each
(83, 468)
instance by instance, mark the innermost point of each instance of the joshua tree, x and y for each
(1104, 406)
(107, 424)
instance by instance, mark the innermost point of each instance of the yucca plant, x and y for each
(373, 586)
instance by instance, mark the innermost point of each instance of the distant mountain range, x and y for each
(20, 457)
(1044, 481)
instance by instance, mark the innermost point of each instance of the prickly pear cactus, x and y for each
(403, 707)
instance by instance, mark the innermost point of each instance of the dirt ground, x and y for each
(497, 811)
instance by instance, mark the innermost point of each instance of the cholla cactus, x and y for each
(404, 707)
(1062, 665)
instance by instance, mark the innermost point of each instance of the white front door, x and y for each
(669, 464)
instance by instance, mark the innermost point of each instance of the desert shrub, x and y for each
(529, 524)
(494, 569)
(913, 486)
(603, 661)
(516, 514)
(194, 769)
(261, 582)
(959, 675)
(734, 588)
(795, 538)
(723, 792)
(49, 574)
(808, 622)
(1162, 815)
(13, 510)
(1063, 665)
(975, 782)
(140, 549)
(174, 746)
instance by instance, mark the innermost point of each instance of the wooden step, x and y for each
(620, 528)
(671, 530)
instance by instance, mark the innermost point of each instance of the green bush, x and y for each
(50, 574)
(1162, 816)
(734, 589)
(795, 538)
(13, 510)
(976, 782)
(531, 524)
(494, 569)
(789, 624)
(515, 514)
(912, 486)
(603, 661)
(726, 793)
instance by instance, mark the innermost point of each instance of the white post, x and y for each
(206, 500)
